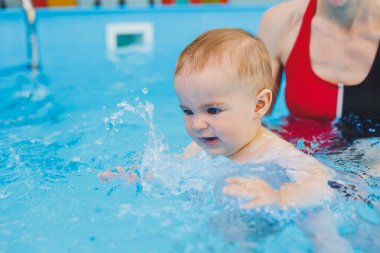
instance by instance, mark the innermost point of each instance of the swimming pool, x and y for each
(90, 109)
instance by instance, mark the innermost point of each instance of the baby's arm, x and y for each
(309, 186)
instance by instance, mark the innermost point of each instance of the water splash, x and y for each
(156, 144)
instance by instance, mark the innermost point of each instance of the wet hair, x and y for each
(246, 53)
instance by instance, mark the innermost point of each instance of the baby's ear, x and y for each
(264, 99)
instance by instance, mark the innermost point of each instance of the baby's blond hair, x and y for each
(246, 53)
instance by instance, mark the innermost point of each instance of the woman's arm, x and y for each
(278, 29)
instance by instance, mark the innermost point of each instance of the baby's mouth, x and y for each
(209, 140)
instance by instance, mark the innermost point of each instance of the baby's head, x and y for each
(243, 55)
(224, 83)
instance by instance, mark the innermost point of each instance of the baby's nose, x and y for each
(199, 122)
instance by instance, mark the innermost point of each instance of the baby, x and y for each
(224, 84)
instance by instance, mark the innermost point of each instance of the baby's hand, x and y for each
(108, 175)
(259, 191)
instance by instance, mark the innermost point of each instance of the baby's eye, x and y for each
(187, 112)
(213, 110)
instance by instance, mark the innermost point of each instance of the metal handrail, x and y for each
(32, 44)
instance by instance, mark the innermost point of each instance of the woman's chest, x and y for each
(342, 58)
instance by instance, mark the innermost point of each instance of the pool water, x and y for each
(88, 110)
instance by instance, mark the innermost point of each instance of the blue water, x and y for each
(89, 110)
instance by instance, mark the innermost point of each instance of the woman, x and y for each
(330, 52)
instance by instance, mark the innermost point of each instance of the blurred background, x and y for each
(89, 3)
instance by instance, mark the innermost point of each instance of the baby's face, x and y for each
(219, 112)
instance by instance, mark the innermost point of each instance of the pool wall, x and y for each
(62, 31)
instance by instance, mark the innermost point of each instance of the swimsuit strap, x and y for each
(301, 47)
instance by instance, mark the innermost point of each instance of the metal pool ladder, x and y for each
(31, 27)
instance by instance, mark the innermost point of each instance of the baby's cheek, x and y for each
(188, 126)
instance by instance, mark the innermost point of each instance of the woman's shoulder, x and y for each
(288, 13)
(280, 20)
